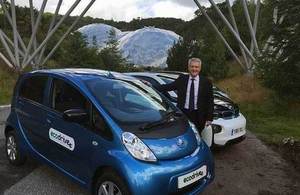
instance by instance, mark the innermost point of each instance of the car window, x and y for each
(153, 82)
(99, 125)
(129, 101)
(166, 80)
(33, 88)
(66, 97)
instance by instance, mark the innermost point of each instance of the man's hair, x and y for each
(194, 60)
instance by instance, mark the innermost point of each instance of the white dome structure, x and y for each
(148, 46)
(98, 32)
(144, 47)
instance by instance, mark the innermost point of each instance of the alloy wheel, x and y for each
(11, 148)
(109, 188)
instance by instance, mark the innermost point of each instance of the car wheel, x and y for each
(13, 153)
(110, 183)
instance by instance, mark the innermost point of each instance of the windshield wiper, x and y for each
(165, 120)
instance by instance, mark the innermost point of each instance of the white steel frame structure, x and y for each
(247, 53)
(20, 55)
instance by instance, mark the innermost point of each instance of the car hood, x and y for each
(173, 148)
(223, 101)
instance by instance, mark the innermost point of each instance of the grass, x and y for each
(7, 82)
(270, 121)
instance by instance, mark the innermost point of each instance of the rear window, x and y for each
(33, 88)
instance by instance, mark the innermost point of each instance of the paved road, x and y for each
(246, 168)
(9, 175)
(1, 130)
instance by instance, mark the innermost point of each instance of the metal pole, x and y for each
(6, 60)
(10, 42)
(50, 28)
(11, 24)
(68, 31)
(275, 20)
(231, 29)
(256, 16)
(16, 46)
(34, 31)
(32, 24)
(51, 33)
(219, 33)
(237, 31)
(252, 34)
(8, 50)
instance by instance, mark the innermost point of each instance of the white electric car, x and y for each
(229, 124)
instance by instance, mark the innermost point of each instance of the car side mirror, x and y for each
(75, 115)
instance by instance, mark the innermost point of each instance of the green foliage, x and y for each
(7, 82)
(111, 55)
(272, 122)
(209, 47)
(76, 53)
(180, 53)
(210, 51)
(279, 66)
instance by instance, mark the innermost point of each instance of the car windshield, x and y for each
(166, 80)
(129, 102)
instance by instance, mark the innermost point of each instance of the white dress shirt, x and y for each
(196, 87)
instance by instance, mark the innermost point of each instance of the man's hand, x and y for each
(207, 123)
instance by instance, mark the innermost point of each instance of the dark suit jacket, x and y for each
(205, 102)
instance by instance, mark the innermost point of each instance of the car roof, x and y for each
(154, 74)
(142, 73)
(81, 73)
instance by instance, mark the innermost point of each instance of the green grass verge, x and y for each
(271, 122)
(7, 82)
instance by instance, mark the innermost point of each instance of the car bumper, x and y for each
(162, 177)
(227, 134)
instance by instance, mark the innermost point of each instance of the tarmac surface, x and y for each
(248, 168)
(9, 175)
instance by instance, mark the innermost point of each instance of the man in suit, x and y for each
(195, 95)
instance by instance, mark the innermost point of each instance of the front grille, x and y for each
(189, 188)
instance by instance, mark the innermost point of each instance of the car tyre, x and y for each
(110, 183)
(12, 148)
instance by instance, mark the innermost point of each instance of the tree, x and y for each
(210, 50)
(76, 53)
(111, 55)
(279, 66)
(180, 53)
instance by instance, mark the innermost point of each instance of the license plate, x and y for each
(192, 177)
(236, 131)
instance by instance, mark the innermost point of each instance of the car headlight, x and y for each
(195, 130)
(137, 148)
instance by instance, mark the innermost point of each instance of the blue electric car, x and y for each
(109, 132)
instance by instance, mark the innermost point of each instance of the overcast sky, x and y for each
(126, 10)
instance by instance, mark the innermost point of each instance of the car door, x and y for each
(73, 144)
(31, 111)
